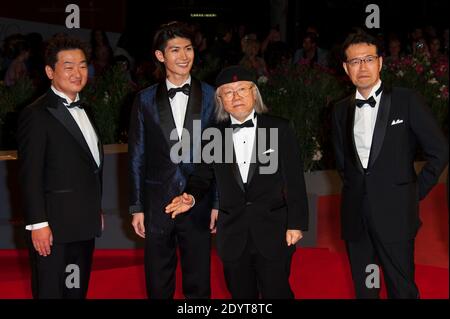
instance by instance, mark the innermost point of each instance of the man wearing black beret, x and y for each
(263, 206)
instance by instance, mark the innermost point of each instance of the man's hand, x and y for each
(293, 236)
(213, 222)
(138, 224)
(42, 239)
(180, 204)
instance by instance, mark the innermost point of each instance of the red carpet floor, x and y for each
(317, 273)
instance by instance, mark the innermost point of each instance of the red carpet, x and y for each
(317, 273)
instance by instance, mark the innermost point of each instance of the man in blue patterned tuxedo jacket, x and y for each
(164, 110)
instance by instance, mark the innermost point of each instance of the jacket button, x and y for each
(248, 203)
(367, 173)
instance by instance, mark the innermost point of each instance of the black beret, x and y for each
(233, 74)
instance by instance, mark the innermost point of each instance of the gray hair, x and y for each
(222, 115)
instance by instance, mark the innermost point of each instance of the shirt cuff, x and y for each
(36, 226)
(193, 201)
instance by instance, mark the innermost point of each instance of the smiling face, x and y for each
(70, 73)
(238, 98)
(366, 74)
(177, 57)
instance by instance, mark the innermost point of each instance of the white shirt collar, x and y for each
(62, 95)
(250, 116)
(170, 85)
(372, 92)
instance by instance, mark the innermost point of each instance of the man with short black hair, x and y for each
(376, 132)
(61, 160)
(160, 113)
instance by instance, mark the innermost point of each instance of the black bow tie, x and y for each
(73, 104)
(173, 91)
(371, 101)
(248, 123)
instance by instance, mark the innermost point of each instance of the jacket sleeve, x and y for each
(136, 153)
(432, 142)
(338, 144)
(294, 180)
(31, 138)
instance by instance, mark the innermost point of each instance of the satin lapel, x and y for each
(233, 166)
(380, 126)
(193, 111)
(350, 135)
(89, 114)
(62, 114)
(254, 163)
(167, 122)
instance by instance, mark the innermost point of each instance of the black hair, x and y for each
(61, 43)
(358, 38)
(170, 31)
(166, 32)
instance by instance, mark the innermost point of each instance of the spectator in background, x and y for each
(223, 49)
(251, 61)
(310, 53)
(434, 46)
(18, 68)
(394, 50)
(274, 36)
(102, 54)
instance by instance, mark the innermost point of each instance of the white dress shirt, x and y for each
(364, 125)
(82, 120)
(243, 141)
(178, 105)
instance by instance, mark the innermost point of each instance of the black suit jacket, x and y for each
(59, 178)
(267, 206)
(390, 182)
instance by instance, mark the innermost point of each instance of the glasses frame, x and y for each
(358, 61)
(236, 92)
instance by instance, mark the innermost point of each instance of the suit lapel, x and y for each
(261, 123)
(88, 111)
(350, 134)
(193, 112)
(380, 126)
(194, 106)
(167, 122)
(232, 166)
(62, 114)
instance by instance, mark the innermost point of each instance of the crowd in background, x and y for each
(22, 55)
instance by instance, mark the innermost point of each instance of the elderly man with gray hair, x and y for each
(262, 212)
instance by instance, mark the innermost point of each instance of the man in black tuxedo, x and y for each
(164, 116)
(376, 132)
(61, 177)
(262, 208)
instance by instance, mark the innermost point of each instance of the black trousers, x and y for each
(252, 275)
(65, 273)
(194, 243)
(396, 261)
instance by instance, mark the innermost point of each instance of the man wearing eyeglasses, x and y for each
(163, 116)
(261, 214)
(376, 132)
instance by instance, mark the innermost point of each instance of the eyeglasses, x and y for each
(241, 92)
(370, 59)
